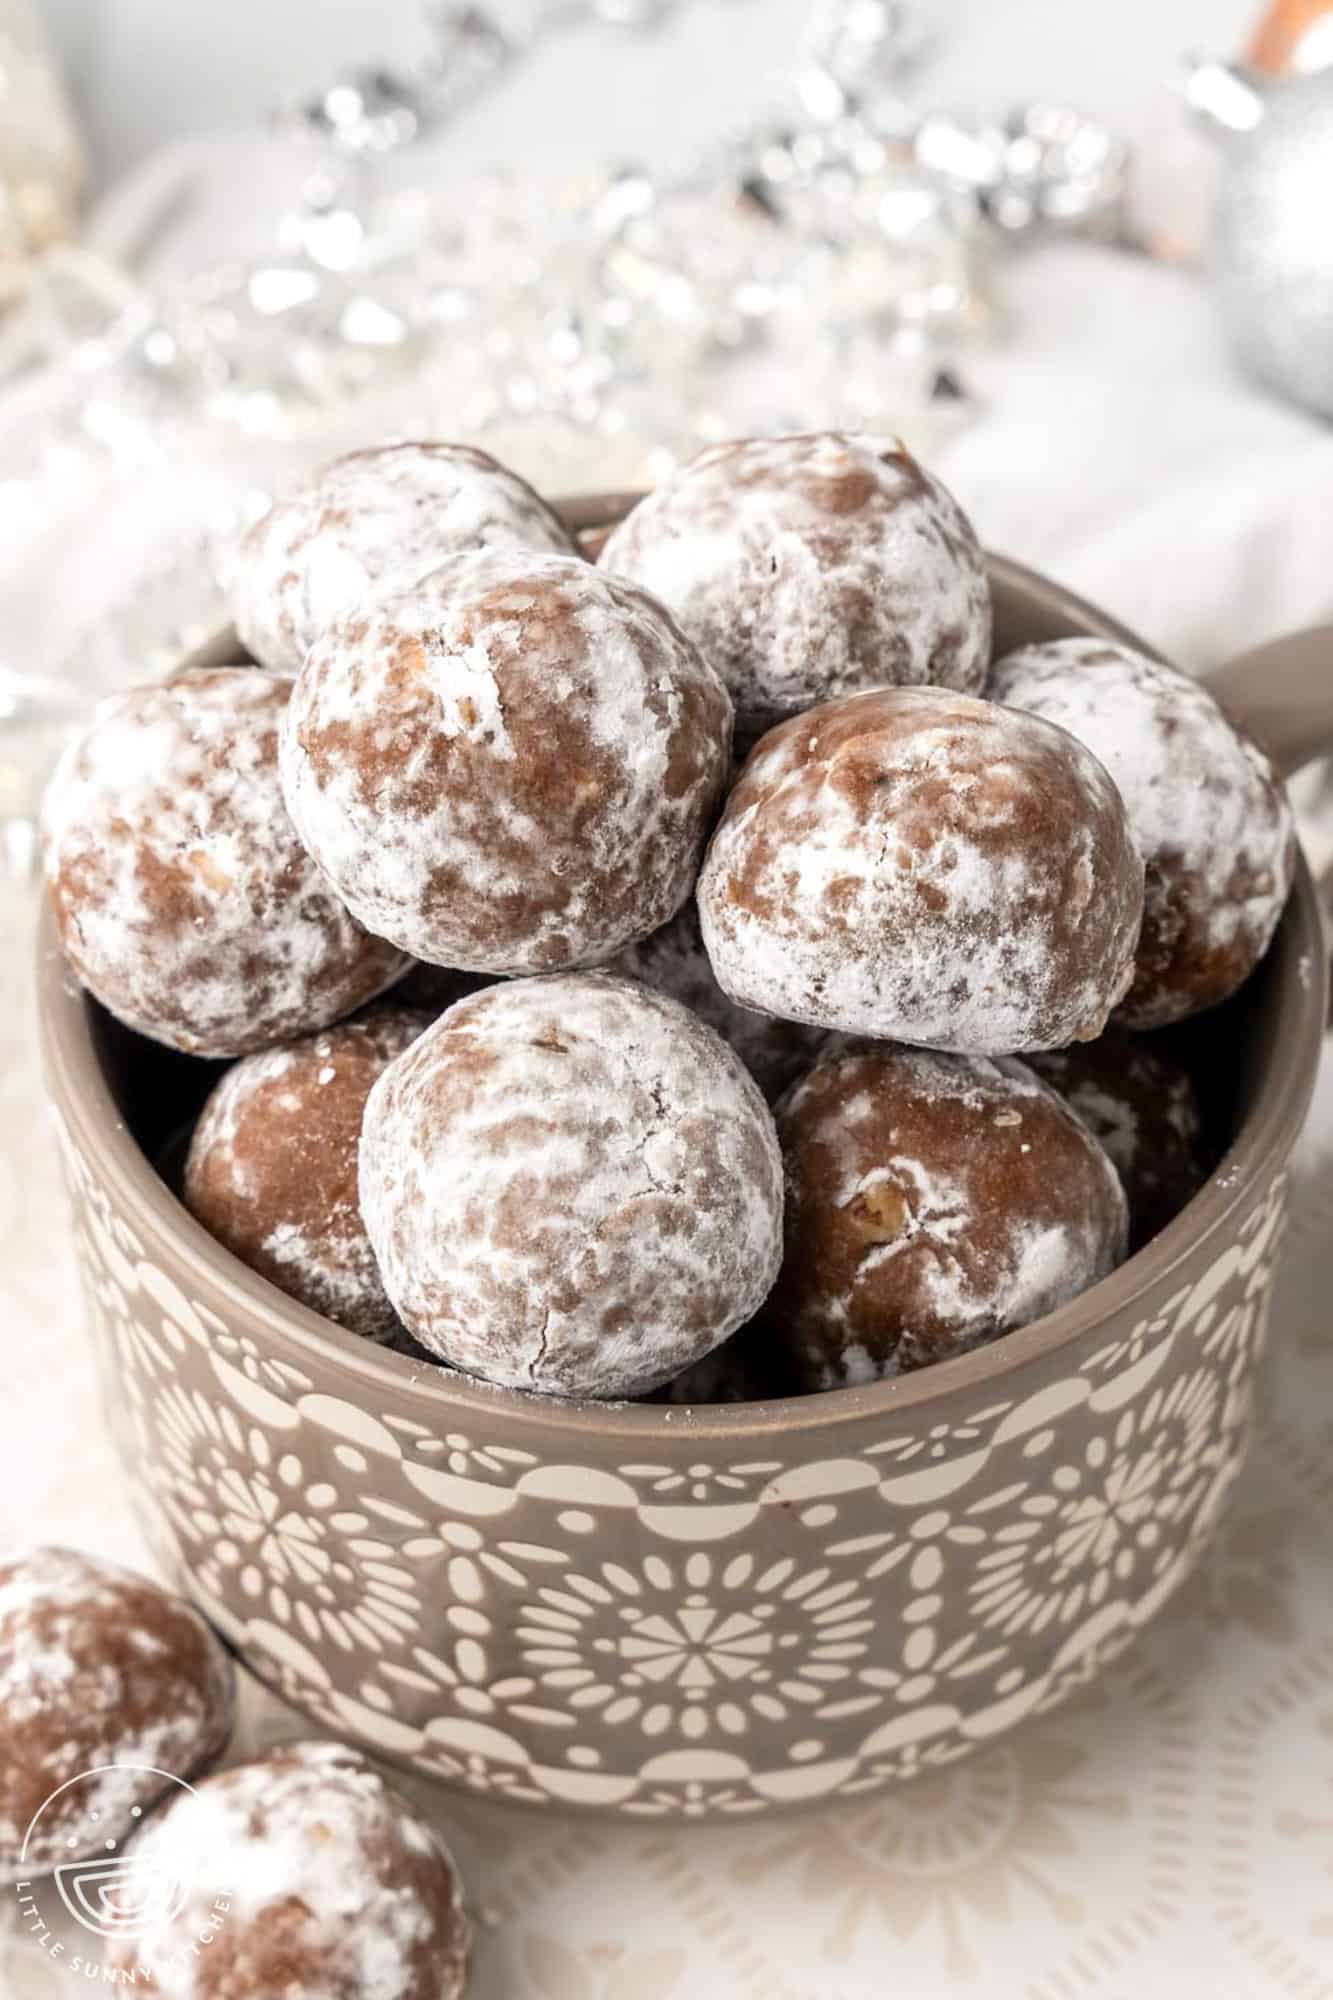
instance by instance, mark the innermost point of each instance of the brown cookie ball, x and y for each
(673, 960)
(1207, 808)
(272, 1167)
(104, 1678)
(1139, 1100)
(810, 567)
(920, 865)
(510, 769)
(934, 1202)
(573, 1186)
(183, 898)
(372, 525)
(304, 1877)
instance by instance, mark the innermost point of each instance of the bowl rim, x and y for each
(83, 1101)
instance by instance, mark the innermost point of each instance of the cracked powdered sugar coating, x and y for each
(183, 898)
(372, 525)
(810, 567)
(934, 1202)
(309, 1879)
(98, 1667)
(1207, 807)
(273, 1164)
(512, 768)
(920, 865)
(572, 1186)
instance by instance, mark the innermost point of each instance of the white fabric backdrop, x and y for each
(146, 71)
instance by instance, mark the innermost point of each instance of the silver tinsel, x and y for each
(1040, 166)
(1271, 258)
(826, 265)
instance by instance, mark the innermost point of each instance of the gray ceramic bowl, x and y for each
(676, 1612)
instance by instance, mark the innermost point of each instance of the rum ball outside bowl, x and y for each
(301, 1875)
(110, 1688)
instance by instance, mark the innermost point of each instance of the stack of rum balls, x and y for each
(301, 1874)
(582, 1060)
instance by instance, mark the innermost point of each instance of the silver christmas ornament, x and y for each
(1271, 253)
(1039, 167)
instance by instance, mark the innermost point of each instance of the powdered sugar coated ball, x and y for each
(917, 864)
(106, 1682)
(183, 897)
(934, 1202)
(1206, 805)
(301, 1875)
(371, 525)
(573, 1186)
(810, 567)
(510, 769)
(674, 961)
(272, 1166)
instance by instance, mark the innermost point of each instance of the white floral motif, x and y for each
(463, 1455)
(923, 1552)
(1107, 1520)
(143, 1354)
(1231, 1341)
(483, 1775)
(1129, 1349)
(316, 1563)
(457, 1571)
(449, 1596)
(264, 1369)
(701, 1481)
(741, 1639)
(936, 1441)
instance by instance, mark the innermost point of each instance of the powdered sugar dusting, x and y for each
(511, 768)
(916, 864)
(934, 1203)
(810, 567)
(316, 1879)
(572, 1185)
(272, 1167)
(1210, 816)
(184, 899)
(372, 525)
(100, 1671)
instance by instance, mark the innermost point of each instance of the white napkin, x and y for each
(1121, 451)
